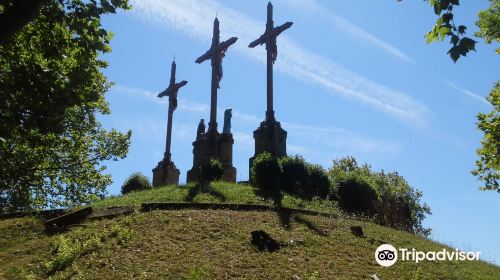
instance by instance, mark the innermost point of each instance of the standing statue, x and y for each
(201, 129)
(227, 120)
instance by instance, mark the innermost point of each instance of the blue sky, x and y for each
(352, 78)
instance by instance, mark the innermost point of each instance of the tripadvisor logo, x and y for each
(386, 255)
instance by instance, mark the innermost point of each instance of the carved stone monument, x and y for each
(270, 137)
(212, 144)
(165, 173)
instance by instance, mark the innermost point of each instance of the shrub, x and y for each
(266, 172)
(266, 176)
(357, 195)
(319, 183)
(136, 182)
(295, 177)
(211, 171)
(398, 204)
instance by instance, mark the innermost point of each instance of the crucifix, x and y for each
(215, 54)
(171, 92)
(269, 38)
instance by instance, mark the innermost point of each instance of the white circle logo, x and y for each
(386, 255)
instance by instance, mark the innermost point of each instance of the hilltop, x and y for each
(215, 244)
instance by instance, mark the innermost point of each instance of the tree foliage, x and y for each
(445, 27)
(488, 164)
(489, 24)
(52, 87)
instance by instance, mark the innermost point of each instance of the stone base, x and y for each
(165, 175)
(213, 145)
(271, 138)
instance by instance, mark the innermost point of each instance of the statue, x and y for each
(227, 120)
(215, 54)
(201, 129)
(269, 39)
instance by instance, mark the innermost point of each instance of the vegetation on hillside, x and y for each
(215, 244)
(385, 197)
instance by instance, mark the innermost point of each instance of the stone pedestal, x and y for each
(213, 145)
(271, 138)
(165, 174)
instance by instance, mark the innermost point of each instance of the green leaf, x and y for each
(468, 43)
(461, 29)
(454, 53)
(443, 31)
(430, 37)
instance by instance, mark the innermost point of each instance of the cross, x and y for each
(171, 92)
(269, 38)
(215, 54)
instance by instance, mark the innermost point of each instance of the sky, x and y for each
(352, 78)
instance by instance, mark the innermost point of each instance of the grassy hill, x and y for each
(215, 244)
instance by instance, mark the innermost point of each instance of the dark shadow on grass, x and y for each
(204, 188)
(376, 241)
(285, 216)
(310, 225)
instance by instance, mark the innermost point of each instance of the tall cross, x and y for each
(171, 92)
(269, 38)
(215, 54)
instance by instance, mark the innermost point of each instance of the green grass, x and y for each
(215, 244)
(218, 192)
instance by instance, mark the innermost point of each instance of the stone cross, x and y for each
(269, 38)
(215, 54)
(171, 92)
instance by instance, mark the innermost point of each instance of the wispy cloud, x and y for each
(467, 92)
(195, 18)
(346, 26)
(333, 140)
(183, 104)
(308, 140)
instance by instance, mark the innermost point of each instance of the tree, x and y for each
(52, 87)
(488, 164)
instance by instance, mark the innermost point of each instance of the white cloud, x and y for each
(243, 139)
(467, 92)
(195, 19)
(308, 140)
(344, 25)
(183, 104)
(334, 140)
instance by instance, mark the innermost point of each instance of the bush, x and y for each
(212, 171)
(398, 204)
(136, 182)
(319, 183)
(357, 195)
(266, 172)
(303, 179)
(295, 177)
(266, 176)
